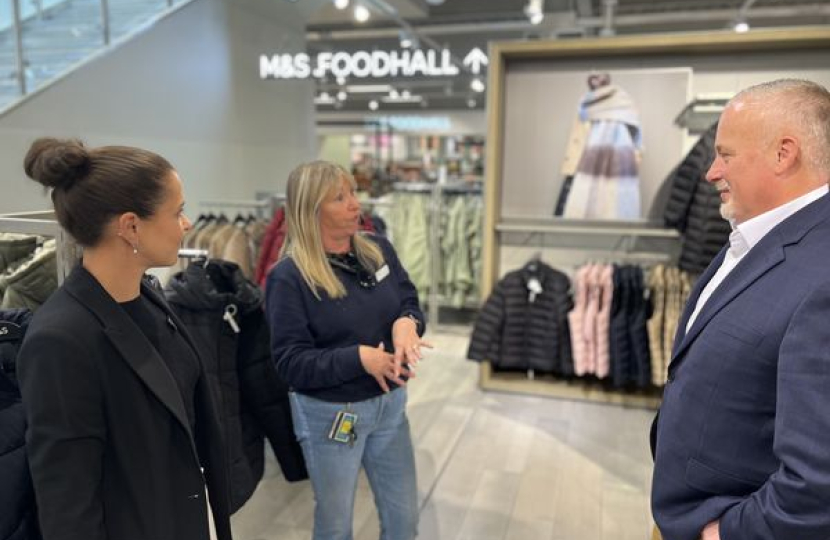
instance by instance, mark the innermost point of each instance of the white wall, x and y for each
(189, 89)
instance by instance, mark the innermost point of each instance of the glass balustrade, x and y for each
(42, 39)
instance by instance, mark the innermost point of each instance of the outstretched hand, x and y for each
(407, 344)
(382, 366)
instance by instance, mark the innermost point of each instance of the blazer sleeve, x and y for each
(66, 437)
(794, 500)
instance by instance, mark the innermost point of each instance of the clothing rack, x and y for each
(43, 223)
(703, 111)
(272, 199)
(260, 206)
(436, 192)
(187, 253)
(414, 187)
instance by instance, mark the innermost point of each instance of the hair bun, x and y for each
(57, 163)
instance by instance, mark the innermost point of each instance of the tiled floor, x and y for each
(493, 466)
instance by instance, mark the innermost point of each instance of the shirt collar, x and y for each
(753, 230)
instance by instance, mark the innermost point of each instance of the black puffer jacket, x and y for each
(693, 207)
(18, 513)
(514, 333)
(628, 336)
(223, 312)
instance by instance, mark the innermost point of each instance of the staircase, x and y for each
(59, 35)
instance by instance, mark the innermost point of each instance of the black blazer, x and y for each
(110, 447)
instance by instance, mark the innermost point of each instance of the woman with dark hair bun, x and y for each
(123, 438)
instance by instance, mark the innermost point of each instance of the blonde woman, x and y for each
(346, 327)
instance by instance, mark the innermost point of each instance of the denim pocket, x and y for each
(301, 430)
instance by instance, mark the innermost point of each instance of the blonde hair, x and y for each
(308, 186)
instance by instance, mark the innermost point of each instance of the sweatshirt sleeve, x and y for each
(300, 363)
(407, 290)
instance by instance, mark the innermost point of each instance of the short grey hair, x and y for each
(803, 104)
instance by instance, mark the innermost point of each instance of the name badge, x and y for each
(381, 274)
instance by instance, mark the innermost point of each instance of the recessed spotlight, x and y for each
(341, 4)
(405, 94)
(471, 103)
(373, 105)
(342, 95)
(741, 27)
(361, 13)
(477, 85)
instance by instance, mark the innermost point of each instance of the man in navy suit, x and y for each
(742, 440)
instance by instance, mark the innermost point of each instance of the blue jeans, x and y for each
(384, 449)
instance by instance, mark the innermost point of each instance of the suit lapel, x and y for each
(756, 263)
(129, 341)
(764, 256)
(689, 308)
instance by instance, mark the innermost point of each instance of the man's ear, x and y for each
(788, 153)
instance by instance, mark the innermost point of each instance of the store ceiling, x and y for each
(462, 25)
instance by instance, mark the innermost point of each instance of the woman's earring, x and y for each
(135, 249)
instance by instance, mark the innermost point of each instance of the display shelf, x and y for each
(548, 386)
(638, 228)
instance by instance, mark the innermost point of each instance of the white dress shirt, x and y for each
(744, 237)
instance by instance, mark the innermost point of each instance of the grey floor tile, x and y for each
(493, 466)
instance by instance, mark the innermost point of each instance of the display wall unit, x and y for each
(533, 94)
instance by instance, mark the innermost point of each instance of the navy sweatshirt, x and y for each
(315, 342)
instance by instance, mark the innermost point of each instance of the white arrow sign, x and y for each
(475, 59)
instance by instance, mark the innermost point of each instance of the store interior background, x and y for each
(185, 82)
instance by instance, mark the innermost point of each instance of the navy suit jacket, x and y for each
(743, 434)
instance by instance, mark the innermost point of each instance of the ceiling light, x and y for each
(341, 80)
(741, 27)
(405, 94)
(368, 88)
(393, 93)
(401, 99)
(471, 103)
(477, 85)
(373, 105)
(341, 4)
(535, 11)
(342, 95)
(406, 40)
(361, 13)
(324, 99)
